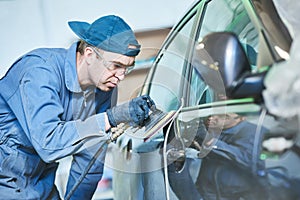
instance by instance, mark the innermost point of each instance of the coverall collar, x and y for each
(71, 76)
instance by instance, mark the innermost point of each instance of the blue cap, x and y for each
(109, 33)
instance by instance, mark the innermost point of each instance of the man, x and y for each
(230, 170)
(58, 102)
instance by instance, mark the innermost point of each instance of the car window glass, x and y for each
(200, 92)
(166, 85)
(269, 139)
(221, 15)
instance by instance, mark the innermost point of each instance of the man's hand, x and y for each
(135, 111)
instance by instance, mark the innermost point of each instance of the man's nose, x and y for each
(120, 77)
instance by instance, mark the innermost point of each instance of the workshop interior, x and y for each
(224, 76)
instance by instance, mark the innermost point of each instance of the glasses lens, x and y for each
(128, 69)
(120, 69)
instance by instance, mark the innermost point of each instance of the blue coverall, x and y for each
(45, 116)
(226, 172)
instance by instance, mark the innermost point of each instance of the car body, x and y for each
(235, 43)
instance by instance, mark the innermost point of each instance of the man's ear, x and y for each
(89, 55)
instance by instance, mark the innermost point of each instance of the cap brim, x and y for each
(79, 28)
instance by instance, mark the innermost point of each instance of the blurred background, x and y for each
(30, 24)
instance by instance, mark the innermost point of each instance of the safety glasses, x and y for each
(113, 66)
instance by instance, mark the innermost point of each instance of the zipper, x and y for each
(86, 94)
(84, 99)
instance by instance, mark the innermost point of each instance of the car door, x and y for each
(172, 73)
(174, 81)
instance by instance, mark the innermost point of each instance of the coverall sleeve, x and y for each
(52, 137)
(237, 147)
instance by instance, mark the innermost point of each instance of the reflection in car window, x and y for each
(231, 16)
(234, 156)
(200, 91)
(219, 16)
(169, 73)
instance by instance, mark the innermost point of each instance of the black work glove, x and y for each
(135, 111)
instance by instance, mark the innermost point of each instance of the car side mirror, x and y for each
(223, 64)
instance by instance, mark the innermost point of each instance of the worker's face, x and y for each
(107, 69)
(224, 121)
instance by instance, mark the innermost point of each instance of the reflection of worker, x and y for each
(53, 103)
(226, 172)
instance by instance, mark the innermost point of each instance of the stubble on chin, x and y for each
(104, 87)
